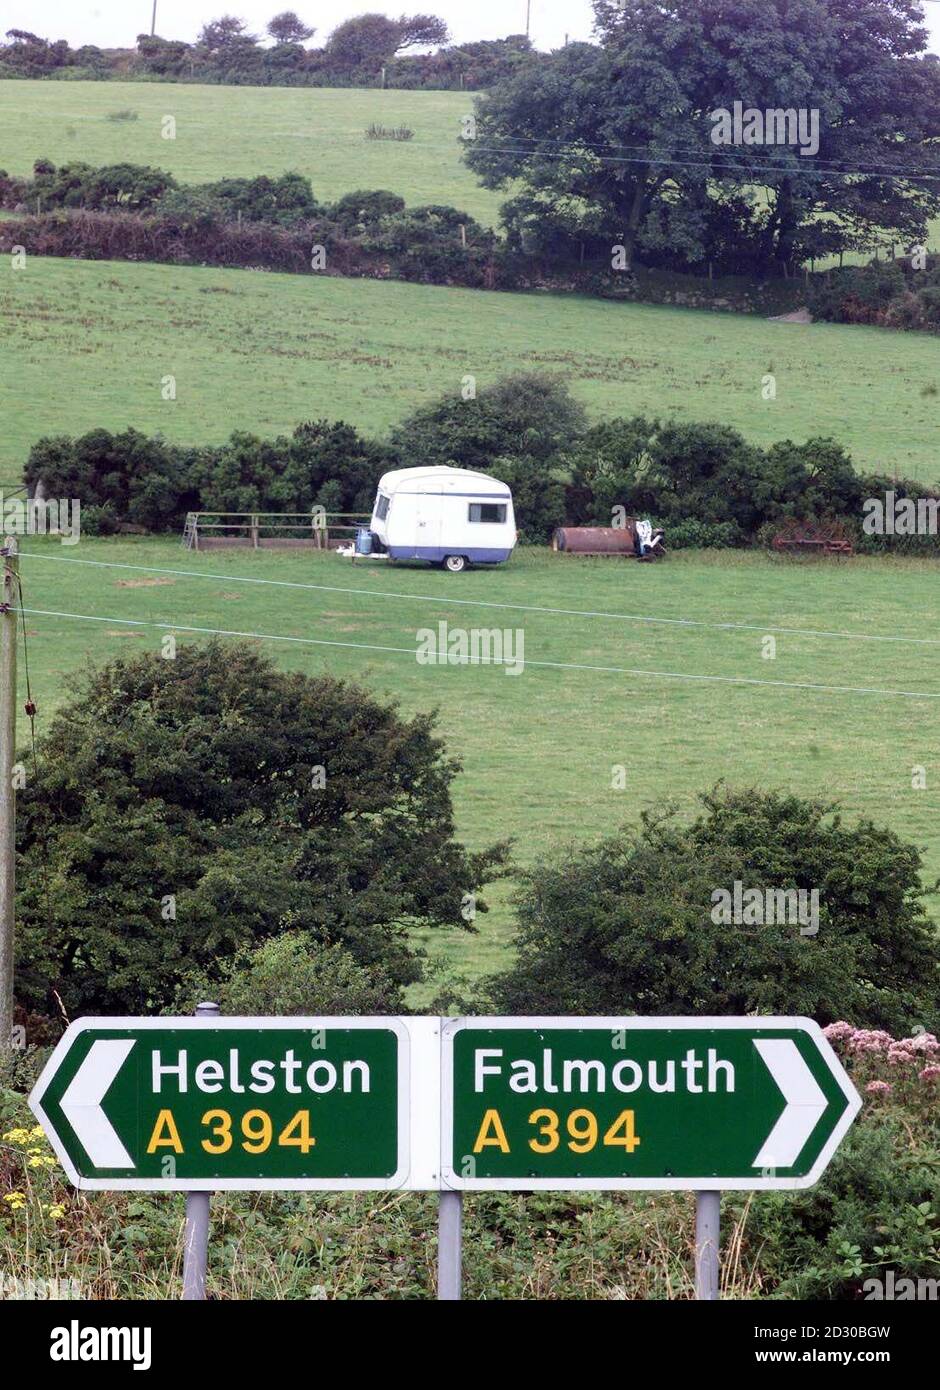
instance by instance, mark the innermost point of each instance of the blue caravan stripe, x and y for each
(476, 555)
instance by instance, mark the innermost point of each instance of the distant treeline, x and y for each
(365, 51)
(136, 212)
(703, 482)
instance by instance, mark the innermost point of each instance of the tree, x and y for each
(371, 39)
(614, 142)
(288, 27)
(524, 414)
(421, 31)
(227, 32)
(629, 926)
(185, 809)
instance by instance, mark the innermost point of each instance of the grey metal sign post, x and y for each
(196, 1238)
(707, 1223)
(449, 1246)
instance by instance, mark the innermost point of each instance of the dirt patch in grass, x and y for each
(142, 583)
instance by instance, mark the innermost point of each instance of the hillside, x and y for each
(231, 132)
(87, 344)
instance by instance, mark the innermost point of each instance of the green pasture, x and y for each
(89, 344)
(541, 750)
(237, 132)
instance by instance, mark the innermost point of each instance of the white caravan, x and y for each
(447, 516)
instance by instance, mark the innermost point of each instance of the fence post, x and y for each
(196, 1237)
(254, 533)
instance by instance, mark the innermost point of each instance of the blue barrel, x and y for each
(363, 541)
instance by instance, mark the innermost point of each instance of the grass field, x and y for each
(87, 344)
(237, 132)
(538, 749)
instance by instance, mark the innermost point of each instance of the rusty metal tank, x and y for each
(595, 540)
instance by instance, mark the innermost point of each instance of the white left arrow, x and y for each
(81, 1103)
(805, 1103)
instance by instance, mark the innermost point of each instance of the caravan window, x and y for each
(488, 511)
(381, 507)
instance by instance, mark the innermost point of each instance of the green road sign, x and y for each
(640, 1103)
(200, 1103)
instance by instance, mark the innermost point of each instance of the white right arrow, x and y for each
(81, 1103)
(805, 1103)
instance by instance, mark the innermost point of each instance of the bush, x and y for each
(184, 810)
(524, 414)
(285, 976)
(596, 925)
(434, 244)
(384, 132)
(128, 477)
(364, 208)
(692, 534)
(538, 497)
(117, 477)
(891, 294)
(877, 1207)
(124, 187)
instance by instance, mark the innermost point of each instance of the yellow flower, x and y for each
(57, 1211)
(17, 1136)
(15, 1199)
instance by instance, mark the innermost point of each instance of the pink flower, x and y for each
(898, 1054)
(922, 1042)
(929, 1073)
(878, 1088)
(871, 1040)
(838, 1032)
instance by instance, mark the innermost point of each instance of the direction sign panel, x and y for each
(626, 1103)
(212, 1103)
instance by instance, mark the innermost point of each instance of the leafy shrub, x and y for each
(691, 533)
(892, 294)
(125, 187)
(596, 925)
(185, 810)
(538, 496)
(877, 1207)
(285, 976)
(364, 207)
(384, 132)
(129, 477)
(524, 414)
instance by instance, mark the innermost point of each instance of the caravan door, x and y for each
(428, 526)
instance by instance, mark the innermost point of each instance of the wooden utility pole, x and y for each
(153, 22)
(528, 16)
(8, 607)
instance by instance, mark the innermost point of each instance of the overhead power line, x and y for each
(885, 691)
(489, 603)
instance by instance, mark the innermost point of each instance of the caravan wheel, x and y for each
(455, 563)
